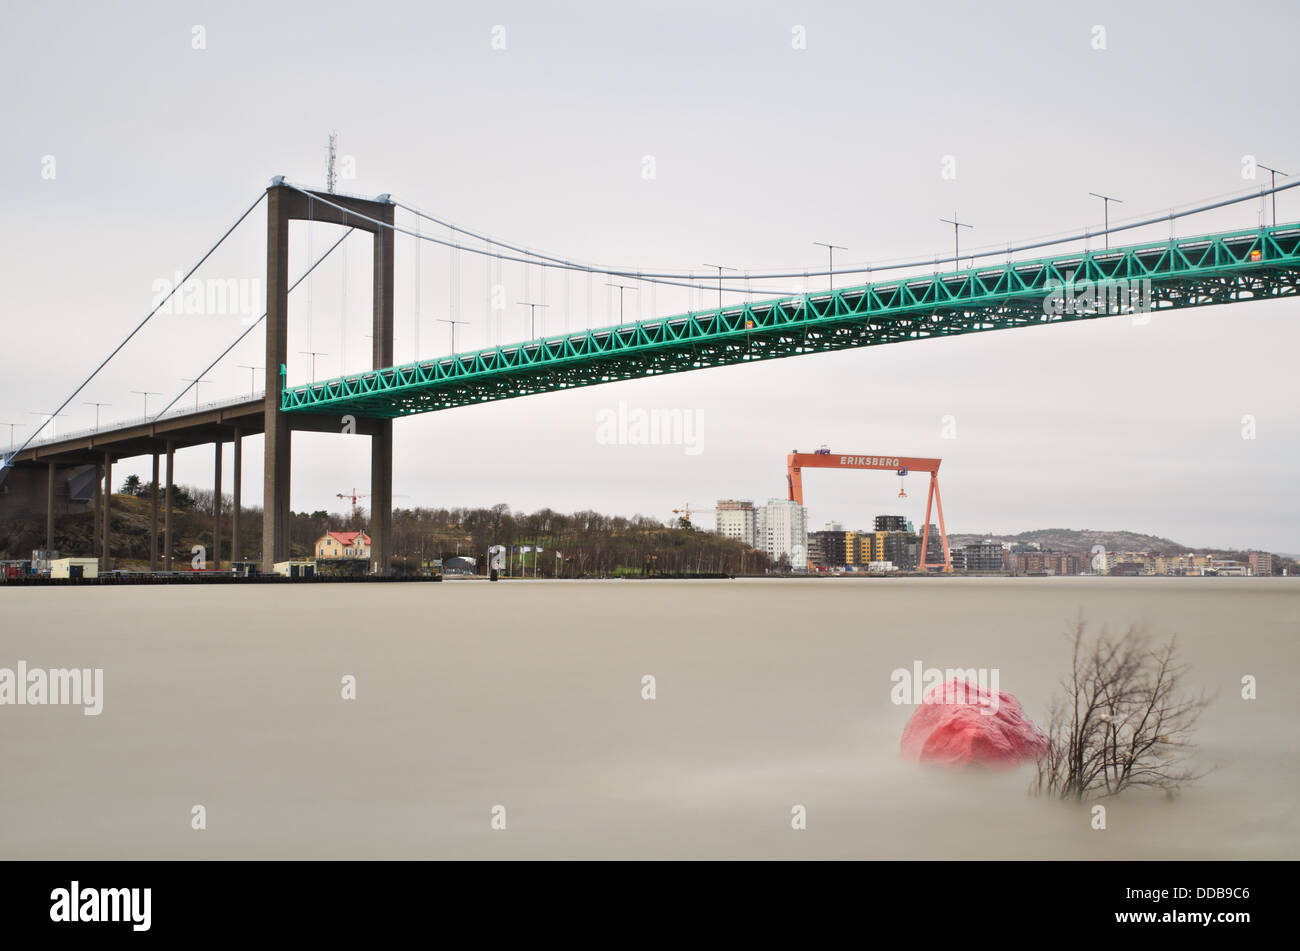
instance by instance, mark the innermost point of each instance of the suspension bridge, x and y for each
(1229, 267)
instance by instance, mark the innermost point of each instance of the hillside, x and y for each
(1073, 539)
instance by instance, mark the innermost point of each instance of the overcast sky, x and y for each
(669, 135)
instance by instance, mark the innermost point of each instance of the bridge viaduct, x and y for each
(35, 479)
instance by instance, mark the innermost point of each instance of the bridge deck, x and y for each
(210, 423)
(1185, 272)
(142, 436)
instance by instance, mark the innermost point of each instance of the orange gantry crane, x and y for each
(797, 461)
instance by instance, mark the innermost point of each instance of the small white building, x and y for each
(295, 569)
(1230, 567)
(74, 568)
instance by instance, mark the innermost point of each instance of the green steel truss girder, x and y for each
(1187, 272)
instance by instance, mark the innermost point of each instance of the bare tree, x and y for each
(1124, 719)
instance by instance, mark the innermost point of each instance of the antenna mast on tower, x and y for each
(330, 177)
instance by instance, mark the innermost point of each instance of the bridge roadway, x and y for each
(1195, 271)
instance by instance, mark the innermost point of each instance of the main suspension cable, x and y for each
(669, 277)
(138, 327)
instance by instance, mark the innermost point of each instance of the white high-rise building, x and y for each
(782, 529)
(736, 520)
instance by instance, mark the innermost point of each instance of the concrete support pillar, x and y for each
(381, 444)
(216, 505)
(49, 507)
(96, 507)
(381, 498)
(276, 469)
(167, 506)
(154, 488)
(237, 478)
(106, 533)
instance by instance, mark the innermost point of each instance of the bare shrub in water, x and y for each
(1123, 719)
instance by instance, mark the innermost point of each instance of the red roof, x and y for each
(347, 538)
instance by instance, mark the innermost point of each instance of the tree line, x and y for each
(572, 545)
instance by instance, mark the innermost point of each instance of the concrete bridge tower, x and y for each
(285, 204)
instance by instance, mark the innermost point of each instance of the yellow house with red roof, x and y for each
(337, 545)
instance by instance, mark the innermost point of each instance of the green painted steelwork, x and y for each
(1185, 272)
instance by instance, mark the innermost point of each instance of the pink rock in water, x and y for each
(959, 723)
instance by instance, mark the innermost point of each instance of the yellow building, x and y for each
(857, 549)
(339, 545)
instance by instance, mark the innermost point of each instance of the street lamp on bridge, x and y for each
(532, 317)
(1274, 173)
(453, 322)
(146, 394)
(49, 418)
(627, 287)
(956, 244)
(720, 268)
(1105, 207)
(252, 379)
(313, 354)
(831, 249)
(196, 384)
(97, 406)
